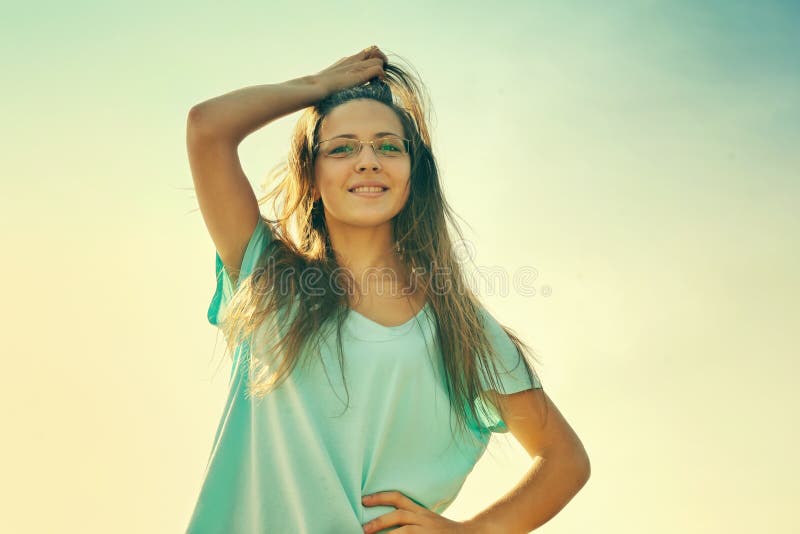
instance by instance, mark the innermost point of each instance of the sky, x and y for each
(641, 157)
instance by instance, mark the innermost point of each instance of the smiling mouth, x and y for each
(369, 192)
(373, 189)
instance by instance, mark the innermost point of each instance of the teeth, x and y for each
(365, 189)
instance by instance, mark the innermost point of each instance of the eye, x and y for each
(391, 146)
(388, 146)
(341, 149)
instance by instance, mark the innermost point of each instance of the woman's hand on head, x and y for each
(352, 70)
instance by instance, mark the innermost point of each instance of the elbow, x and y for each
(574, 463)
(198, 114)
(577, 463)
(195, 124)
(583, 467)
(587, 473)
(202, 129)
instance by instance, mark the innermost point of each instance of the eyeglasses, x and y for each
(343, 147)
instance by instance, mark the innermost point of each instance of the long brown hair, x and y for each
(292, 315)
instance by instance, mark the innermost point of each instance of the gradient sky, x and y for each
(642, 156)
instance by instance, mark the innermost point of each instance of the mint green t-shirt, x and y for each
(297, 462)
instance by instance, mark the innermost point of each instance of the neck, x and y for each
(369, 255)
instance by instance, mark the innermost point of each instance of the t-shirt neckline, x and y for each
(364, 322)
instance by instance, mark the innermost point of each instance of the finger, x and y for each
(367, 63)
(396, 518)
(394, 498)
(358, 56)
(378, 67)
(356, 62)
(374, 52)
(373, 67)
(379, 53)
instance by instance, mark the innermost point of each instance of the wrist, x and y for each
(314, 84)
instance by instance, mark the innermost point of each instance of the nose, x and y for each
(367, 158)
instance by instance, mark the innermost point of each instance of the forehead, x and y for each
(363, 118)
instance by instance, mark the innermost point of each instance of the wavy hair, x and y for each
(293, 313)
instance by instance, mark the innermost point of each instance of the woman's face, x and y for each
(333, 177)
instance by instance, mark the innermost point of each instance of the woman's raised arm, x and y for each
(216, 127)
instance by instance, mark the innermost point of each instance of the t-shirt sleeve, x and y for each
(225, 288)
(511, 370)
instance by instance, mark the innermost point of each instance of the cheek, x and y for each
(324, 182)
(406, 188)
(402, 198)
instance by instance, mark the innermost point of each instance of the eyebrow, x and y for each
(353, 136)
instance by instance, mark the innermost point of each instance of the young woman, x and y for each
(362, 362)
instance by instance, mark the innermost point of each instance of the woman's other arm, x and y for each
(560, 466)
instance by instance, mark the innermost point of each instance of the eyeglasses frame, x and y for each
(406, 143)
